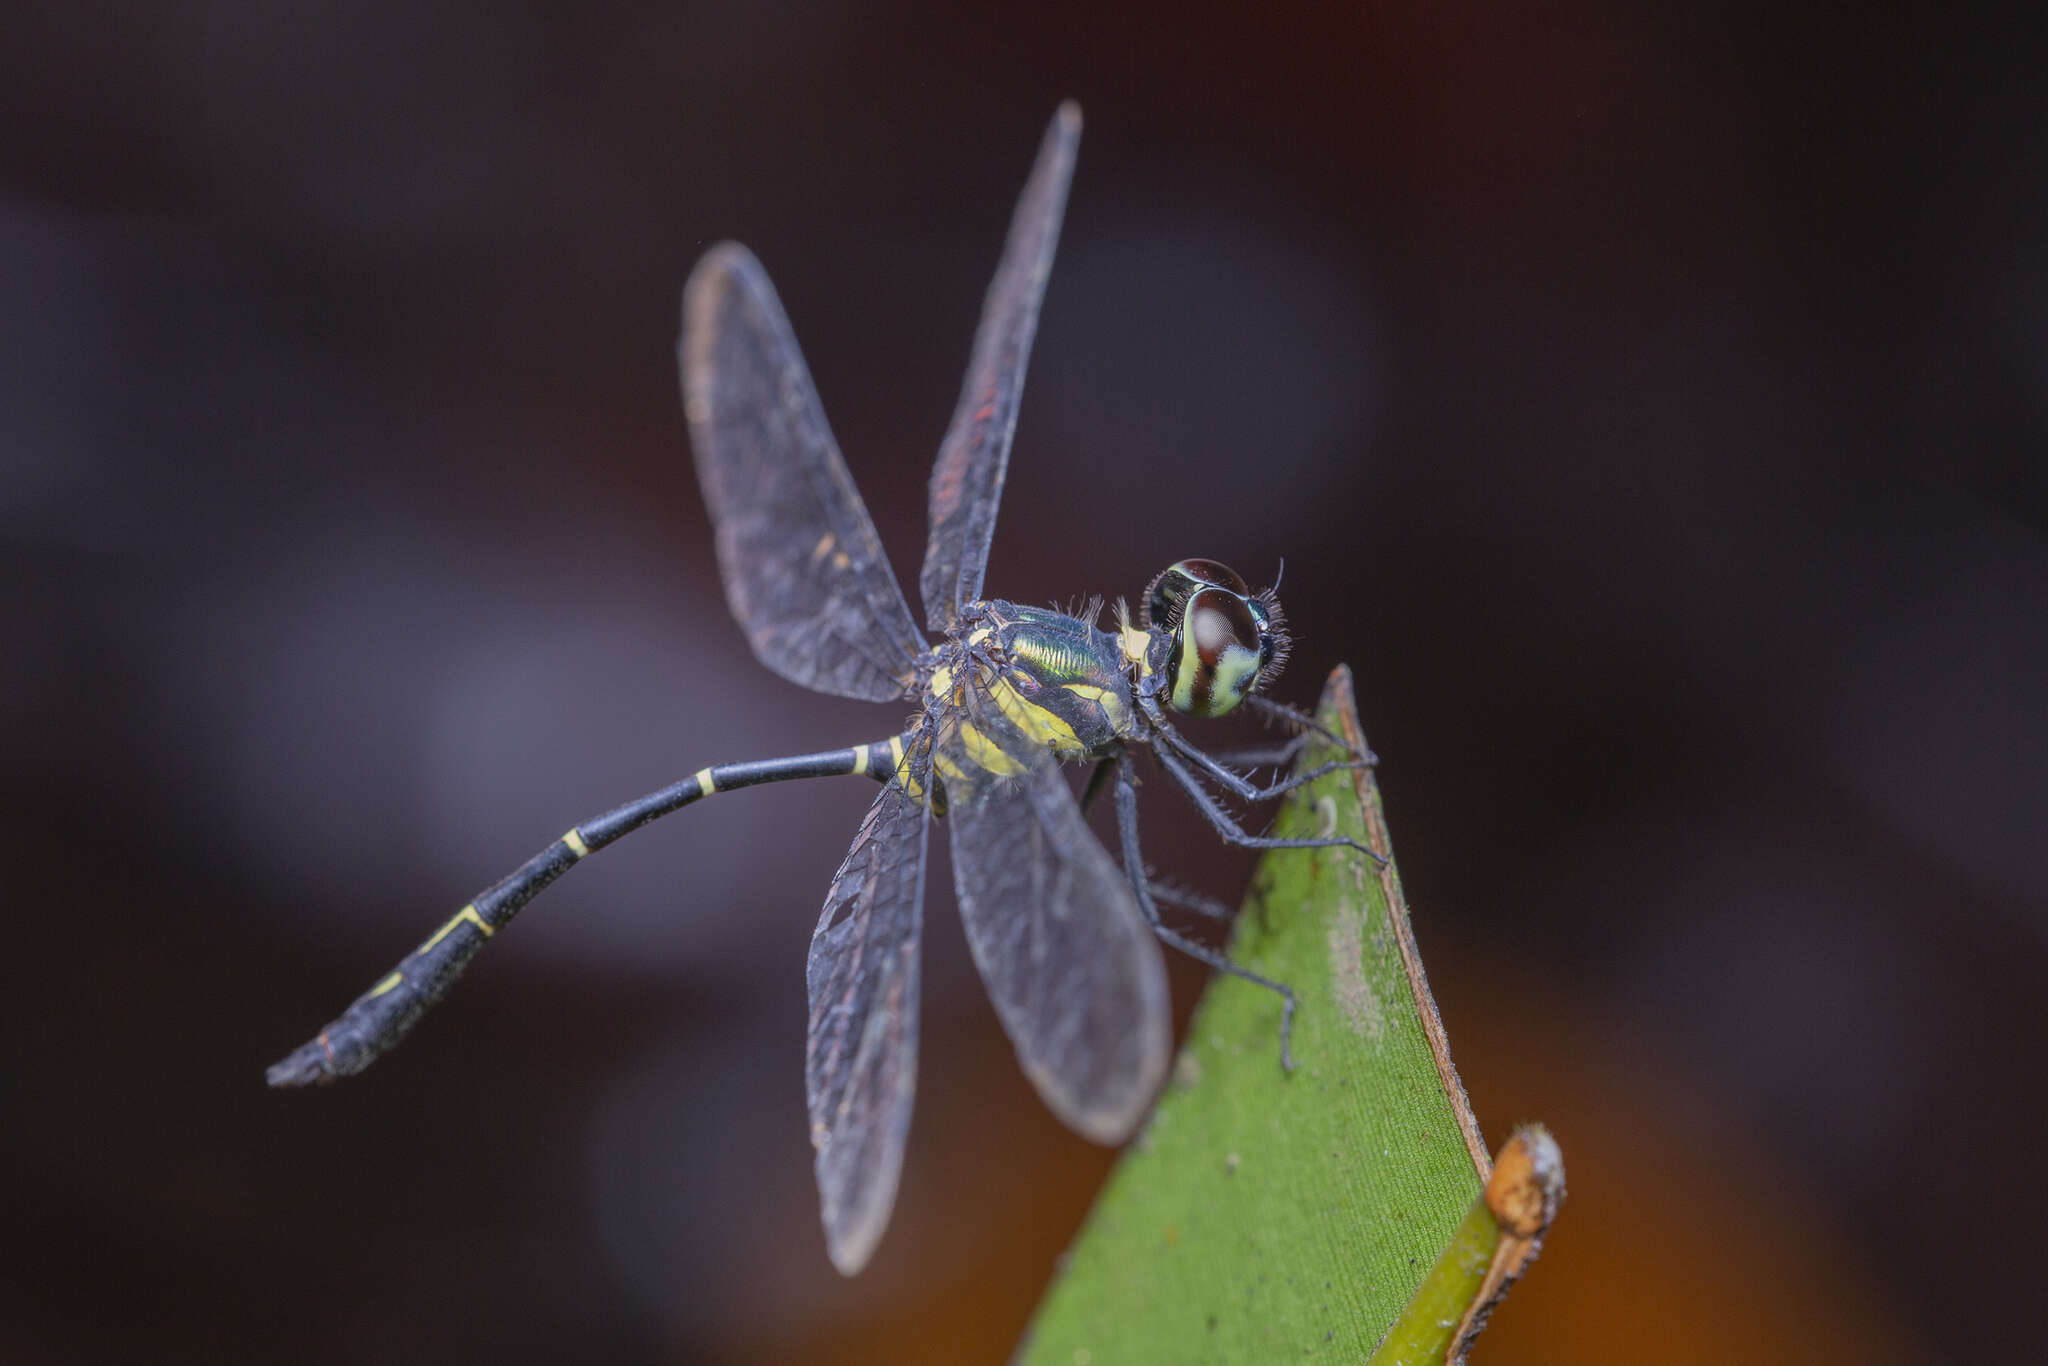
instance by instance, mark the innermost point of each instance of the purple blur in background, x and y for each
(1651, 409)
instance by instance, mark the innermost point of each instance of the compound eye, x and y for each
(1166, 597)
(1221, 652)
(1263, 619)
(1217, 621)
(1216, 574)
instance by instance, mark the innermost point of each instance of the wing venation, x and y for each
(967, 479)
(860, 1057)
(804, 572)
(1069, 961)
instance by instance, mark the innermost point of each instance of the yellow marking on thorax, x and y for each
(948, 770)
(987, 753)
(912, 788)
(705, 786)
(388, 984)
(860, 760)
(1114, 708)
(1136, 646)
(980, 634)
(466, 913)
(576, 845)
(942, 682)
(1042, 726)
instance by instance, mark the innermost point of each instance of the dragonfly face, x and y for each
(1226, 641)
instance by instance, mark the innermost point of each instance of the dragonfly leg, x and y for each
(1234, 783)
(1267, 756)
(1227, 826)
(1208, 907)
(1269, 711)
(1134, 868)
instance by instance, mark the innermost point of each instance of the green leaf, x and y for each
(1266, 1216)
(1501, 1234)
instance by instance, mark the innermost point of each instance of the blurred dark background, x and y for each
(1651, 408)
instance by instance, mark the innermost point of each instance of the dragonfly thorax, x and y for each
(1056, 676)
(1226, 641)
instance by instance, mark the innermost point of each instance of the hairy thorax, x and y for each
(1054, 676)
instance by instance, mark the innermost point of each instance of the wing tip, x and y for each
(726, 253)
(1067, 118)
(721, 264)
(852, 1249)
(852, 1235)
(726, 273)
(1112, 1119)
(1113, 1123)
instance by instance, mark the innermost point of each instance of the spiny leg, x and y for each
(1134, 868)
(1165, 893)
(1234, 783)
(381, 1016)
(1267, 756)
(1305, 728)
(1208, 907)
(1243, 788)
(1269, 711)
(1226, 825)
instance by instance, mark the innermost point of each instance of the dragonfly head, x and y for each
(1228, 641)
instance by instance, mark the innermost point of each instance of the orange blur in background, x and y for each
(1648, 407)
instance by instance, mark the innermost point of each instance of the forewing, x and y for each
(804, 571)
(860, 1060)
(1072, 967)
(967, 480)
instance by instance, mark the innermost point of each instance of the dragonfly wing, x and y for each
(804, 571)
(860, 1060)
(1069, 961)
(967, 480)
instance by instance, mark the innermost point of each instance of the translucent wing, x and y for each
(860, 1061)
(804, 572)
(1072, 967)
(967, 480)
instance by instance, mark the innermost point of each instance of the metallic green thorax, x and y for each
(1074, 679)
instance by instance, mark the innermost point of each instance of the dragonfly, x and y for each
(1065, 938)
